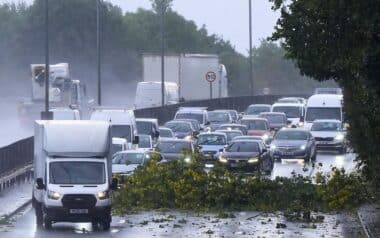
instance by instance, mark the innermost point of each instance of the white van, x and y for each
(323, 106)
(293, 111)
(148, 94)
(122, 121)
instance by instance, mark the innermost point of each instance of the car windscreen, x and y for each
(290, 112)
(189, 115)
(291, 135)
(218, 117)
(77, 173)
(179, 127)
(275, 119)
(144, 141)
(243, 146)
(326, 126)
(232, 134)
(315, 113)
(255, 110)
(128, 158)
(121, 131)
(255, 124)
(211, 139)
(173, 146)
(166, 133)
(144, 127)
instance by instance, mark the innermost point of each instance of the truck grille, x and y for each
(78, 201)
(324, 138)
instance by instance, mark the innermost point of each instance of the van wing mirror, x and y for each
(114, 184)
(40, 183)
(136, 140)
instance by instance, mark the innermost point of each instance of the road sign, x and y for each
(211, 76)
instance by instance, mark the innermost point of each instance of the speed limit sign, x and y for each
(211, 76)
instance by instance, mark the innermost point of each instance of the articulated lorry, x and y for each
(191, 72)
(64, 93)
(73, 173)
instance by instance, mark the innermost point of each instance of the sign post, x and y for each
(210, 77)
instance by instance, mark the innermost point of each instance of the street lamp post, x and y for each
(162, 54)
(250, 49)
(98, 52)
(47, 115)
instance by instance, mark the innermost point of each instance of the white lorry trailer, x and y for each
(73, 173)
(189, 71)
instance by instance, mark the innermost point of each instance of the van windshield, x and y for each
(196, 116)
(323, 113)
(121, 131)
(144, 127)
(291, 112)
(77, 173)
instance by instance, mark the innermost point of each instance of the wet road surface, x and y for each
(183, 224)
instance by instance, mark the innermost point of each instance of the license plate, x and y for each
(288, 153)
(78, 211)
(323, 142)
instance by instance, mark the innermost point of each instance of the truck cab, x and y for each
(73, 173)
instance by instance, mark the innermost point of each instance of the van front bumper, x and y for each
(62, 214)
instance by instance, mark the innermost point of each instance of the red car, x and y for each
(257, 126)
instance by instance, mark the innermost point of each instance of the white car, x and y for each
(329, 135)
(124, 163)
(145, 142)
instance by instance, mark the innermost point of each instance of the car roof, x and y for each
(226, 110)
(225, 131)
(294, 129)
(213, 133)
(247, 137)
(232, 125)
(164, 128)
(245, 140)
(261, 105)
(272, 113)
(179, 121)
(154, 120)
(174, 140)
(284, 104)
(327, 120)
(253, 118)
(132, 151)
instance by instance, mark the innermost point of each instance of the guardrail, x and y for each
(16, 156)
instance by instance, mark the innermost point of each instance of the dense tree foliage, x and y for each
(125, 37)
(340, 40)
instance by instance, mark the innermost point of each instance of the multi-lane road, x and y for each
(141, 225)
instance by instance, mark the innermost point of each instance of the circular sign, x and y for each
(211, 76)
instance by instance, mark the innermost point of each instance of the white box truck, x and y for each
(189, 71)
(73, 173)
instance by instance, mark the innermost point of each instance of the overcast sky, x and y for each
(226, 18)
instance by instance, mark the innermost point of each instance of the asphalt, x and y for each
(369, 216)
(182, 224)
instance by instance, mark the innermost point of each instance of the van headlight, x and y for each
(339, 137)
(103, 195)
(188, 138)
(253, 160)
(303, 147)
(265, 137)
(301, 124)
(53, 195)
(223, 160)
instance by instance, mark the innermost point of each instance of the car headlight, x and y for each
(188, 138)
(339, 137)
(187, 159)
(273, 147)
(303, 147)
(265, 137)
(103, 195)
(53, 195)
(223, 160)
(301, 124)
(253, 160)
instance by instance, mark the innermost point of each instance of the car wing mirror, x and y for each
(136, 140)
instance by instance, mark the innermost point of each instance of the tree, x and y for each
(160, 6)
(340, 40)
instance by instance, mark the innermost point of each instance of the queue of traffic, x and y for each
(291, 128)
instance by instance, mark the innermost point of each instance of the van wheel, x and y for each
(106, 225)
(39, 216)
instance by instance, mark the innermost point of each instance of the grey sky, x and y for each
(226, 18)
